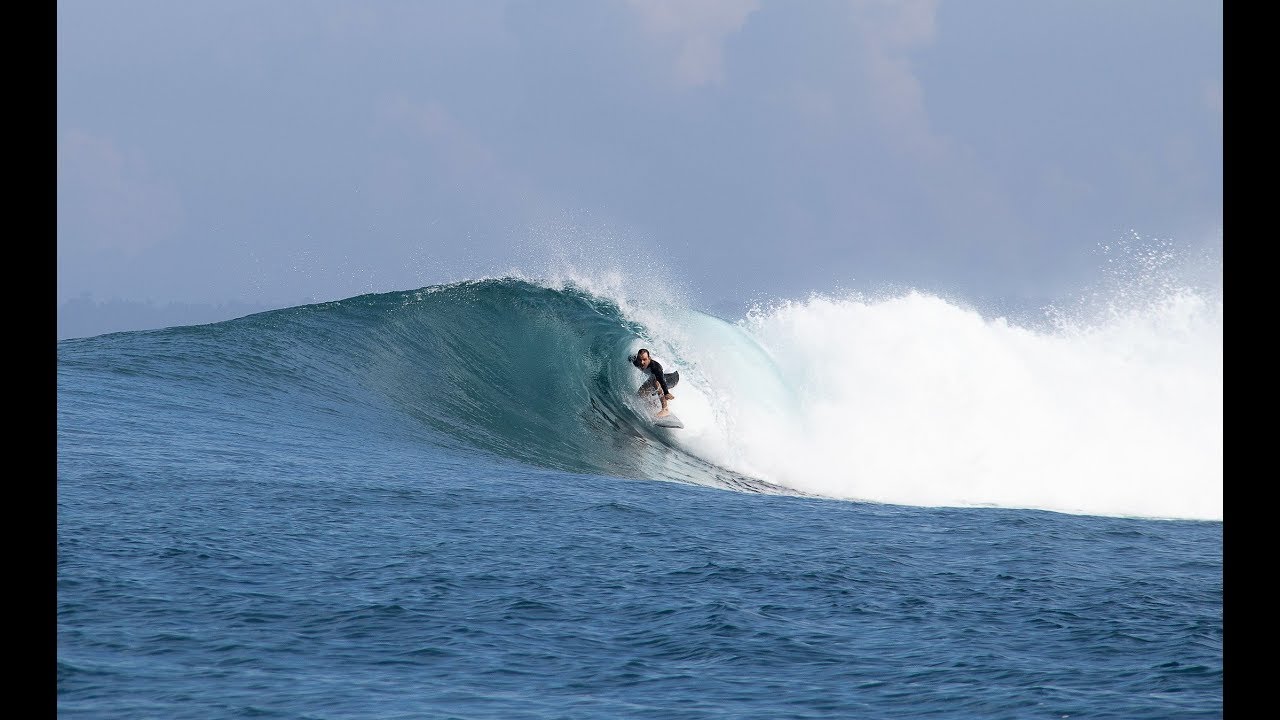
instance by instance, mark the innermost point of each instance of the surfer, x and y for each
(657, 380)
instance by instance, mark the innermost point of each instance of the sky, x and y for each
(220, 157)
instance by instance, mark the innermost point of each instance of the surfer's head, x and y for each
(641, 359)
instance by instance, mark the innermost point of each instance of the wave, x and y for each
(905, 399)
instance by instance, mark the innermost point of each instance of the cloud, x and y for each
(888, 32)
(695, 32)
(966, 199)
(108, 199)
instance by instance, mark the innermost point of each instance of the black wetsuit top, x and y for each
(656, 371)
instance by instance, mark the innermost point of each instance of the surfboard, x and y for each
(668, 421)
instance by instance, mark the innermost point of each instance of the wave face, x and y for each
(907, 400)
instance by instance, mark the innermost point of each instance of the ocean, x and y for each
(449, 502)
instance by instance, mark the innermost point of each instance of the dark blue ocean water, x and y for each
(366, 509)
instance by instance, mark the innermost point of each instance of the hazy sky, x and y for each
(270, 152)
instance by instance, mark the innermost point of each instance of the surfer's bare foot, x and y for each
(668, 396)
(664, 412)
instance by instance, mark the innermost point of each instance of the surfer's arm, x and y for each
(658, 379)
